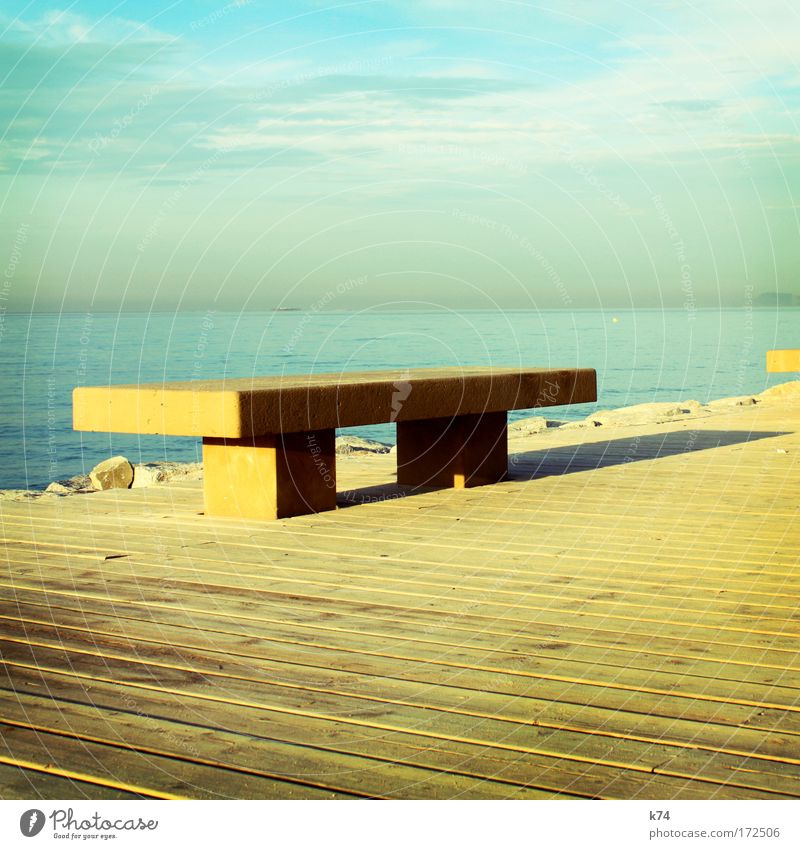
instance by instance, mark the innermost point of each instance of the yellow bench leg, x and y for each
(462, 451)
(270, 477)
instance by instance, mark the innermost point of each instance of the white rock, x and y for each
(532, 422)
(532, 426)
(114, 473)
(153, 474)
(71, 486)
(737, 401)
(527, 427)
(652, 413)
(20, 494)
(357, 445)
(147, 474)
(59, 488)
(791, 389)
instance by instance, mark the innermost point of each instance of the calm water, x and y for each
(643, 356)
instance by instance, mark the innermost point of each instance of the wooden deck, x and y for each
(619, 620)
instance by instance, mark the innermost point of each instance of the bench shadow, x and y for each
(581, 457)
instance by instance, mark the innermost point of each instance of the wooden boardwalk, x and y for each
(619, 620)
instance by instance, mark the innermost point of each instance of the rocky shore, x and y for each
(118, 472)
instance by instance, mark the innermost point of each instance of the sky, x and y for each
(310, 155)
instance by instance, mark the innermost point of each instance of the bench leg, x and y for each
(270, 477)
(462, 451)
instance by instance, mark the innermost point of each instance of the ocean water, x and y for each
(642, 355)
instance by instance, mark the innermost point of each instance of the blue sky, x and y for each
(256, 154)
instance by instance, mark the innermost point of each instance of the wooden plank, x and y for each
(443, 641)
(18, 782)
(472, 626)
(116, 766)
(436, 519)
(136, 729)
(510, 571)
(768, 773)
(623, 530)
(739, 665)
(389, 698)
(469, 618)
(506, 676)
(337, 541)
(447, 550)
(496, 698)
(508, 769)
(749, 624)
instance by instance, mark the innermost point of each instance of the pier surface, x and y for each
(620, 619)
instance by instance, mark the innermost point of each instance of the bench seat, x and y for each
(269, 442)
(786, 360)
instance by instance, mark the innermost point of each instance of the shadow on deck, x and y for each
(583, 457)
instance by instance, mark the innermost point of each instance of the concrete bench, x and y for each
(787, 360)
(269, 442)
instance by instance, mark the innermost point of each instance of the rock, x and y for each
(357, 445)
(531, 426)
(71, 486)
(153, 474)
(20, 494)
(782, 390)
(579, 424)
(60, 488)
(527, 427)
(147, 474)
(737, 401)
(114, 473)
(652, 413)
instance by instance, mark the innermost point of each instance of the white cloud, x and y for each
(680, 79)
(61, 26)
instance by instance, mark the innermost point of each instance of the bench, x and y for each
(269, 442)
(787, 360)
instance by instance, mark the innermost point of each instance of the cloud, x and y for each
(696, 105)
(64, 27)
(653, 82)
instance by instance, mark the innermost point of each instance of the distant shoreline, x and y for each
(378, 308)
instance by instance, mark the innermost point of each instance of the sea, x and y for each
(639, 355)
